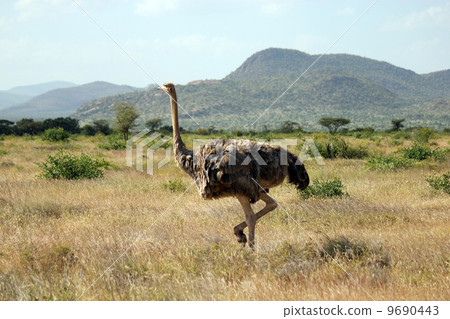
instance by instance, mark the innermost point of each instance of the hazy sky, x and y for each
(181, 41)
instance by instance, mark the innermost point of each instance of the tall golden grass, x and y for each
(61, 240)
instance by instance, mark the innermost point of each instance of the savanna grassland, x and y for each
(69, 240)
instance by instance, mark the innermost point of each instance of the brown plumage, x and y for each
(242, 169)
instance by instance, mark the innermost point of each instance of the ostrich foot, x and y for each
(241, 238)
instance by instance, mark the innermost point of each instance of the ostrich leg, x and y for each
(271, 204)
(250, 220)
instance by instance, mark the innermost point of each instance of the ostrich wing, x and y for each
(221, 169)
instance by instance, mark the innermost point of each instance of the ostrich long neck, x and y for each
(178, 144)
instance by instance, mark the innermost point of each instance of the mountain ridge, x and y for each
(40, 88)
(64, 101)
(369, 92)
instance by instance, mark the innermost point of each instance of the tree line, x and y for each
(125, 122)
(31, 127)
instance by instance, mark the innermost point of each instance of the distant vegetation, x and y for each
(333, 123)
(31, 127)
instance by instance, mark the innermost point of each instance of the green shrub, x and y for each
(202, 131)
(113, 142)
(418, 152)
(324, 188)
(64, 165)
(336, 147)
(390, 161)
(440, 155)
(175, 185)
(401, 135)
(55, 135)
(423, 134)
(440, 183)
(421, 152)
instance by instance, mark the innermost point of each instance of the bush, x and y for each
(440, 155)
(390, 161)
(202, 131)
(401, 135)
(440, 183)
(175, 185)
(418, 152)
(55, 135)
(336, 147)
(421, 152)
(325, 188)
(64, 165)
(113, 142)
(423, 134)
(88, 130)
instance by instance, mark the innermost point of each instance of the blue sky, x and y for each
(180, 41)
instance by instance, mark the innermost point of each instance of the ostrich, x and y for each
(242, 169)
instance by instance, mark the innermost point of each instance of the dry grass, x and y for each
(58, 237)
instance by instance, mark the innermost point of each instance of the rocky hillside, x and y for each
(369, 92)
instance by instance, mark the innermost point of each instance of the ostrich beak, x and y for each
(162, 88)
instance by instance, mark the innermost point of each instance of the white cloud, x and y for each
(151, 7)
(348, 11)
(435, 16)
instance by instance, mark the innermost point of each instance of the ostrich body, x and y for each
(242, 169)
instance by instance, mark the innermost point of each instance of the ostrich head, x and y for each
(169, 88)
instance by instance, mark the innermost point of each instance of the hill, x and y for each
(282, 63)
(37, 89)
(368, 92)
(8, 99)
(63, 102)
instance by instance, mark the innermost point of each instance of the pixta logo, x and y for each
(151, 143)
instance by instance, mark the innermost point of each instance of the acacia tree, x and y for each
(397, 124)
(153, 124)
(290, 126)
(333, 123)
(102, 126)
(126, 115)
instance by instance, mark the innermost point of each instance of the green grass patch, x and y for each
(440, 183)
(355, 250)
(113, 142)
(175, 185)
(388, 162)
